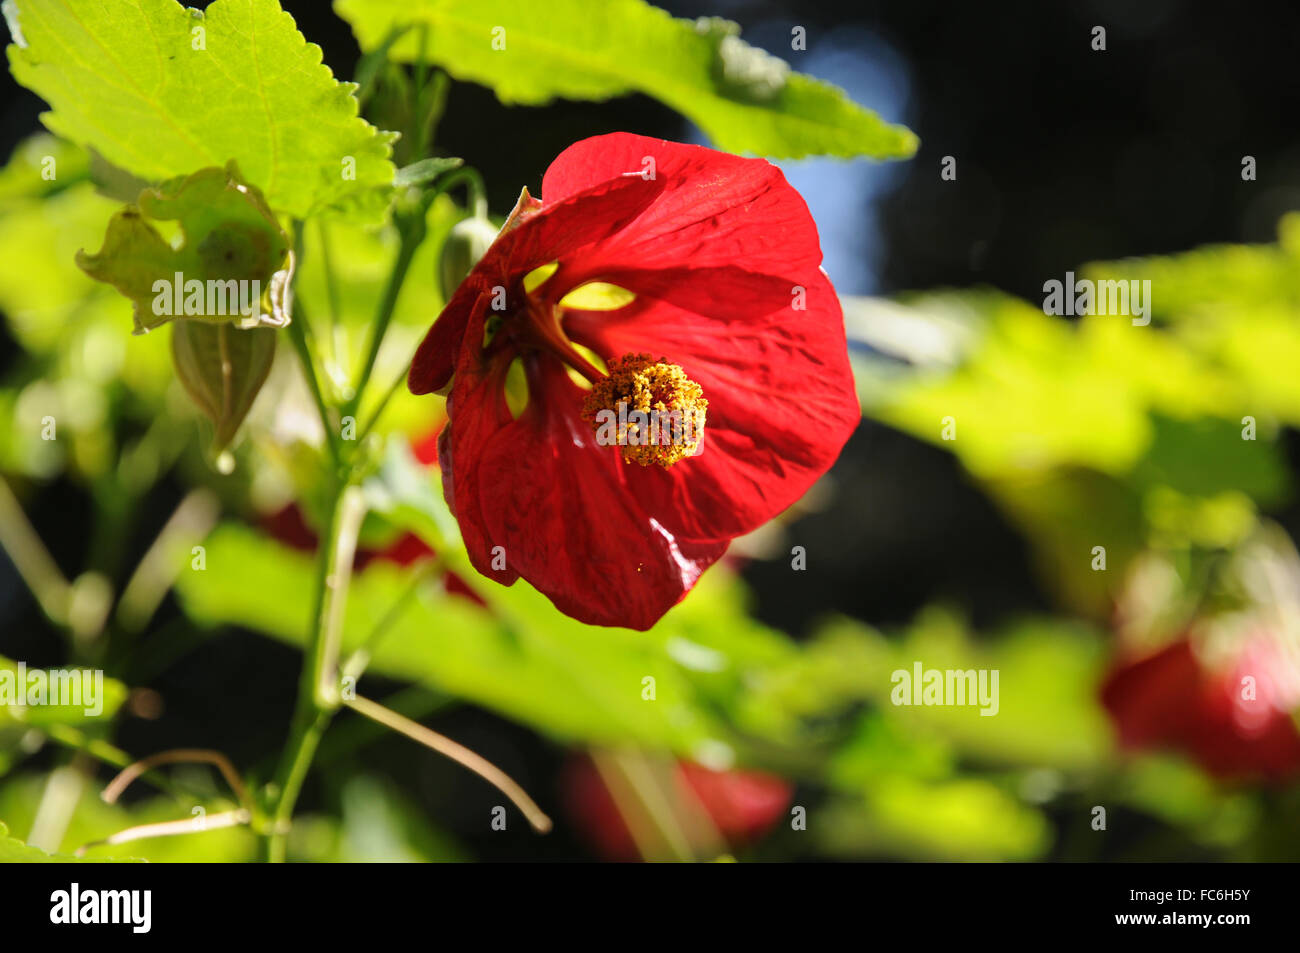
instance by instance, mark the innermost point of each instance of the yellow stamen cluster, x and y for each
(650, 409)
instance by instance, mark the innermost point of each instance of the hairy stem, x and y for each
(317, 689)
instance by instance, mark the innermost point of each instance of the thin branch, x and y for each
(298, 335)
(353, 734)
(185, 825)
(179, 756)
(476, 191)
(458, 753)
(58, 803)
(356, 663)
(648, 802)
(331, 287)
(389, 394)
(352, 510)
(32, 560)
(144, 592)
(412, 230)
(106, 753)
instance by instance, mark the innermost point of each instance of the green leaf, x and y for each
(14, 851)
(161, 90)
(92, 820)
(90, 374)
(232, 242)
(1047, 710)
(42, 291)
(743, 98)
(1235, 306)
(406, 492)
(41, 165)
(223, 369)
(113, 182)
(106, 696)
(521, 658)
(1199, 282)
(1179, 793)
(379, 824)
(966, 819)
(426, 170)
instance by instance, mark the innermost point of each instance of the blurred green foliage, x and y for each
(1100, 429)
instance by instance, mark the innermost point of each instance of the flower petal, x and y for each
(476, 413)
(565, 512)
(782, 402)
(713, 208)
(536, 238)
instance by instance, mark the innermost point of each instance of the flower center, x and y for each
(649, 409)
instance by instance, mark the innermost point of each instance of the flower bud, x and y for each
(467, 242)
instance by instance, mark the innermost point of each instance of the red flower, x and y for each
(1234, 729)
(741, 805)
(733, 325)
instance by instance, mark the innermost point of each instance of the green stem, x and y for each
(331, 287)
(412, 234)
(317, 689)
(430, 104)
(298, 335)
(113, 757)
(356, 663)
(422, 65)
(473, 185)
(384, 401)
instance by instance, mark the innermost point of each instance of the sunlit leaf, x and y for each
(1047, 713)
(161, 90)
(97, 699)
(745, 99)
(571, 681)
(960, 820)
(426, 170)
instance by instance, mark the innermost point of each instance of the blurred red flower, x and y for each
(719, 308)
(1235, 729)
(742, 805)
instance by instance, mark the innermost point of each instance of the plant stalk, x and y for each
(318, 696)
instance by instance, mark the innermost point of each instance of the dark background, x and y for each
(1065, 155)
